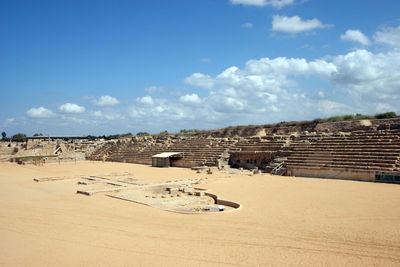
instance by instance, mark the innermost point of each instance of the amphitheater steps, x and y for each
(349, 159)
(350, 150)
(361, 150)
(352, 162)
(339, 166)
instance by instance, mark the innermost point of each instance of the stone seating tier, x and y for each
(374, 149)
(340, 166)
(344, 156)
(389, 164)
(361, 159)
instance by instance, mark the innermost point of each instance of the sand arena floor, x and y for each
(282, 221)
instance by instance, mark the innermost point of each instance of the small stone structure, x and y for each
(166, 159)
(251, 159)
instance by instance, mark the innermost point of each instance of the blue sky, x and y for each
(105, 67)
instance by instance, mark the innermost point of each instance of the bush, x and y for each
(363, 117)
(184, 131)
(19, 137)
(387, 115)
(91, 137)
(336, 118)
(142, 134)
(349, 117)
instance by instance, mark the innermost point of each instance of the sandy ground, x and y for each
(282, 221)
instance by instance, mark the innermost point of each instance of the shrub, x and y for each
(348, 117)
(19, 137)
(387, 115)
(142, 134)
(363, 117)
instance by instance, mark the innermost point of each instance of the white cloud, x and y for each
(39, 112)
(264, 85)
(106, 100)
(200, 80)
(71, 108)
(355, 82)
(295, 24)
(274, 3)
(359, 67)
(369, 77)
(389, 36)
(247, 25)
(153, 89)
(234, 104)
(384, 107)
(190, 98)
(331, 108)
(135, 112)
(98, 113)
(163, 111)
(112, 116)
(206, 60)
(290, 66)
(159, 109)
(355, 36)
(147, 100)
(320, 94)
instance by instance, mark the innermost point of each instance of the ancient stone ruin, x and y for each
(356, 150)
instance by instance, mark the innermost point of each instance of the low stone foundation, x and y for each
(344, 174)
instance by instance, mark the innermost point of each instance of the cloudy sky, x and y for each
(104, 67)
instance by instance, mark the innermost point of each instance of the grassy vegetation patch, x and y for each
(387, 115)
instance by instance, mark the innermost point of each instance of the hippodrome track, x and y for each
(282, 221)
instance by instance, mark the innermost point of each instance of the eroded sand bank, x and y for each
(282, 221)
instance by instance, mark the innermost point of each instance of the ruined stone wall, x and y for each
(251, 159)
(357, 175)
(288, 128)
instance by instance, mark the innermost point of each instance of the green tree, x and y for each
(19, 137)
(3, 136)
(387, 115)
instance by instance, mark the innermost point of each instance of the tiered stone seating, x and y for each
(259, 144)
(201, 151)
(100, 152)
(345, 153)
(359, 151)
(196, 151)
(137, 152)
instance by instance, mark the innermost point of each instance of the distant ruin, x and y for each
(40, 149)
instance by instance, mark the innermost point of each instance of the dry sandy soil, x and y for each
(282, 221)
